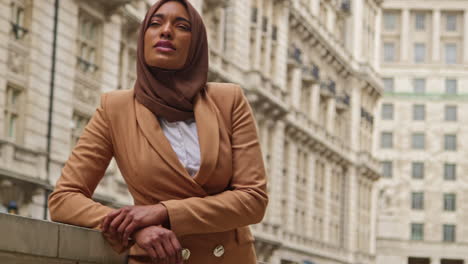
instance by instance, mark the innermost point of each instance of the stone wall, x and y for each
(24, 240)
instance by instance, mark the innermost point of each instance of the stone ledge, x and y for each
(25, 240)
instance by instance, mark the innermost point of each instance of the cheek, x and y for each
(186, 42)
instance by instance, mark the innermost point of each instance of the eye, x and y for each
(154, 23)
(184, 27)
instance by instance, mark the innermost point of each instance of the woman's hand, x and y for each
(160, 243)
(124, 221)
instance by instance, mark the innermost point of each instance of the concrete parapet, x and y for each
(25, 240)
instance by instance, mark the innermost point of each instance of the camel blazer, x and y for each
(212, 208)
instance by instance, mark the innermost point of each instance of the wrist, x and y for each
(163, 216)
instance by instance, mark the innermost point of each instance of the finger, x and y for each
(160, 251)
(115, 224)
(167, 245)
(128, 232)
(178, 248)
(152, 253)
(108, 219)
(121, 228)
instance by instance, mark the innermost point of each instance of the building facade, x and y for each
(421, 131)
(308, 68)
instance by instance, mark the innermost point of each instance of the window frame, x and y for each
(453, 229)
(387, 59)
(413, 229)
(417, 201)
(419, 112)
(418, 166)
(450, 202)
(414, 143)
(382, 136)
(451, 113)
(447, 142)
(17, 111)
(450, 167)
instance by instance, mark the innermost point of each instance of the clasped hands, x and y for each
(148, 226)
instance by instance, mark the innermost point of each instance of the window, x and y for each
(418, 141)
(417, 231)
(451, 86)
(419, 52)
(387, 169)
(450, 172)
(420, 19)
(419, 86)
(390, 21)
(386, 140)
(450, 142)
(13, 104)
(78, 124)
(387, 111)
(419, 112)
(417, 170)
(450, 53)
(450, 202)
(389, 52)
(450, 113)
(388, 85)
(451, 22)
(449, 233)
(417, 200)
(18, 21)
(88, 44)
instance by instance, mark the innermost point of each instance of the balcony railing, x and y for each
(311, 73)
(367, 116)
(18, 31)
(295, 54)
(346, 6)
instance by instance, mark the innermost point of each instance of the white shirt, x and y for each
(183, 137)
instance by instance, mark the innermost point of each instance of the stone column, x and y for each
(351, 206)
(123, 74)
(373, 217)
(315, 102)
(405, 31)
(331, 113)
(356, 36)
(465, 36)
(296, 83)
(355, 114)
(436, 35)
(315, 7)
(326, 201)
(331, 17)
(276, 174)
(377, 40)
(310, 194)
(291, 191)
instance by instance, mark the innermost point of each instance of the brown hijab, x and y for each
(170, 93)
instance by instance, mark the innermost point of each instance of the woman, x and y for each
(187, 149)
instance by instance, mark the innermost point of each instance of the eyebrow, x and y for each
(177, 18)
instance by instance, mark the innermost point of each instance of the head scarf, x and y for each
(170, 93)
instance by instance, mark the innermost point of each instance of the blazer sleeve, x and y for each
(71, 201)
(245, 202)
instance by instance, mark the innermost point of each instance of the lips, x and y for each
(164, 44)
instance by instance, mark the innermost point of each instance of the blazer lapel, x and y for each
(206, 117)
(155, 136)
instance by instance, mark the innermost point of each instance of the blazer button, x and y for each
(218, 251)
(185, 254)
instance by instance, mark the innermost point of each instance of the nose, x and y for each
(166, 31)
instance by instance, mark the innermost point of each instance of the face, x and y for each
(168, 37)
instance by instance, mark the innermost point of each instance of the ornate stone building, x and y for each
(308, 68)
(421, 131)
